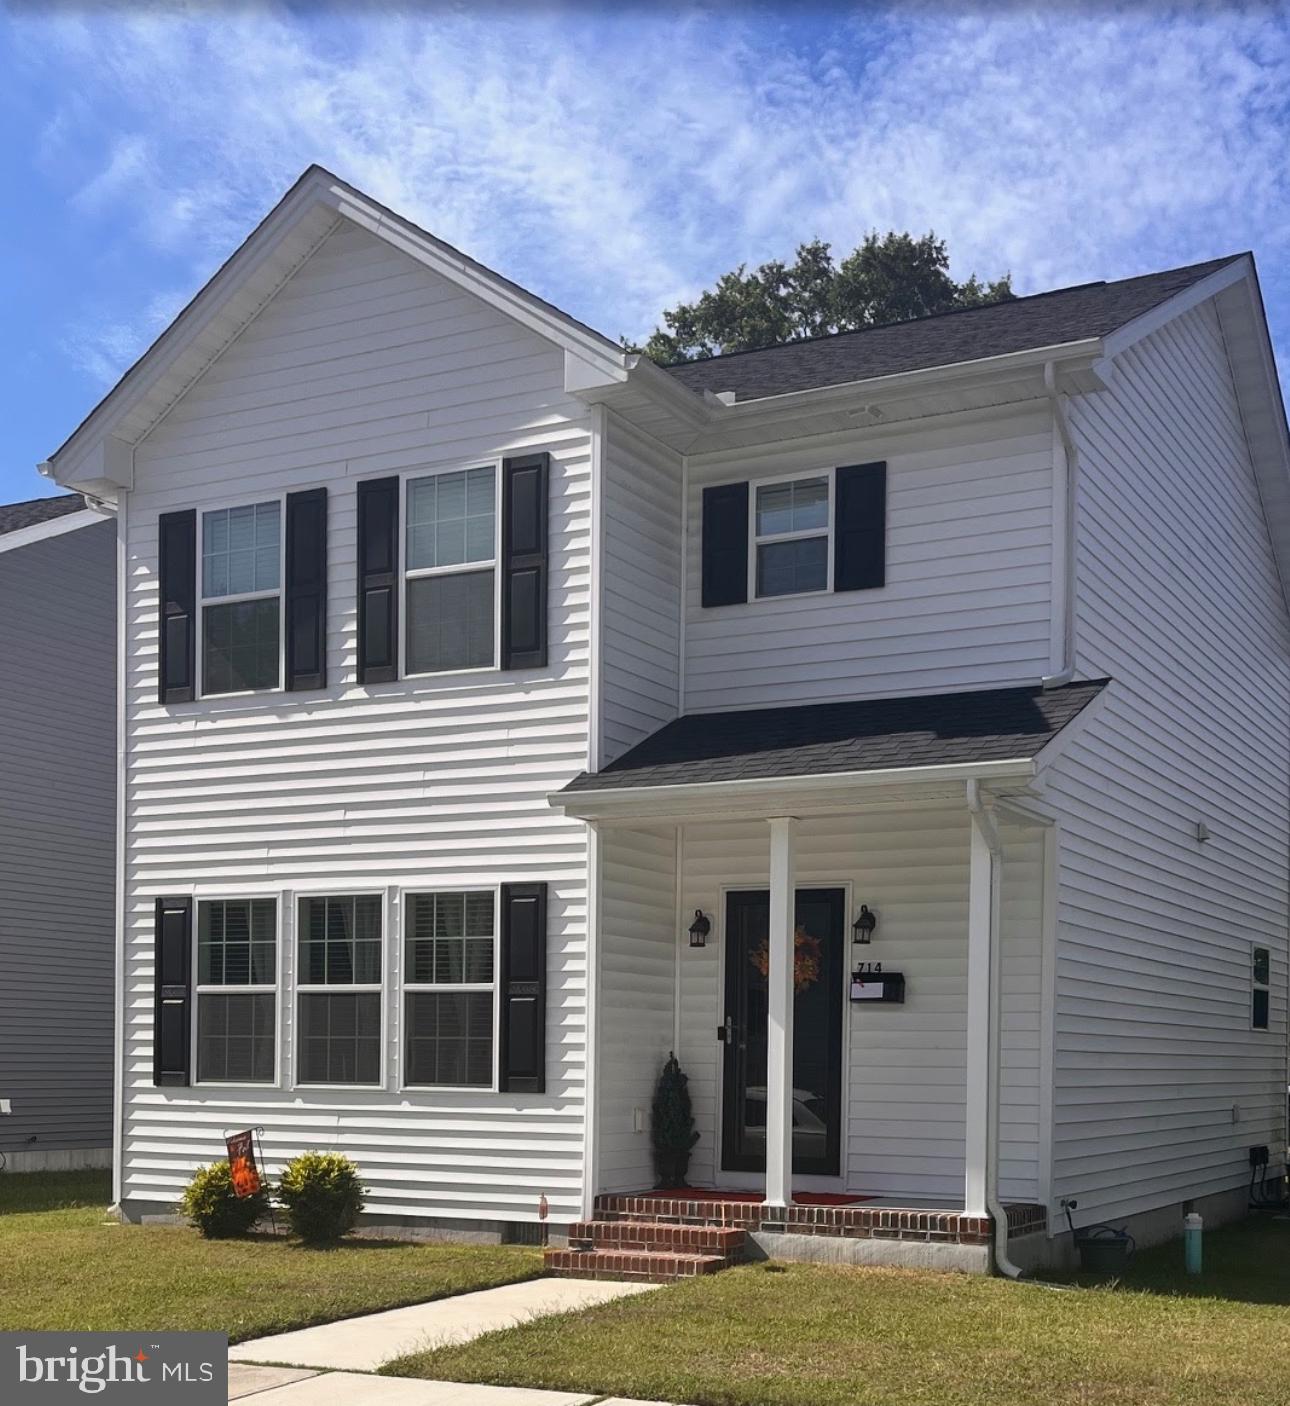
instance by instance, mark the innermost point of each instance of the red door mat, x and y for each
(800, 1198)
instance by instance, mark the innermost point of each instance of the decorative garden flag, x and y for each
(243, 1172)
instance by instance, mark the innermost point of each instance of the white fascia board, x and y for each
(55, 527)
(746, 792)
(1061, 740)
(1087, 349)
(1155, 318)
(191, 323)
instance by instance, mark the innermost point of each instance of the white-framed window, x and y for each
(451, 581)
(236, 991)
(450, 989)
(240, 588)
(792, 546)
(1260, 987)
(340, 961)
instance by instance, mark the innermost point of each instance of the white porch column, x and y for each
(779, 1031)
(981, 906)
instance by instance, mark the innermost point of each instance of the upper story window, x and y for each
(450, 571)
(809, 535)
(237, 980)
(1260, 987)
(791, 531)
(241, 599)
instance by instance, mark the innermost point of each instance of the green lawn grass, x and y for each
(65, 1265)
(811, 1335)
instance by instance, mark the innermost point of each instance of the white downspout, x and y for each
(985, 820)
(1069, 472)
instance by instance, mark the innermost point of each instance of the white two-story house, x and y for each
(893, 725)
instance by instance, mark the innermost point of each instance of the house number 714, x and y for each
(868, 968)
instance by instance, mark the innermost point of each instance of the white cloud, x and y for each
(616, 163)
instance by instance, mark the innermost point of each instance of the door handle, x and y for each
(726, 1031)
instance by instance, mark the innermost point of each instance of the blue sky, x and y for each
(615, 162)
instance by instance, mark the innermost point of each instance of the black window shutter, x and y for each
(173, 991)
(378, 580)
(177, 569)
(524, 561)
(522, 977)
(860, 527)
(307, 589)
(725, 544)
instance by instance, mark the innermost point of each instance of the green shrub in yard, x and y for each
(210, 1203)
(322, 1196)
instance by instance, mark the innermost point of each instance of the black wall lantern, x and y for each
(699, 929)
(862, 928)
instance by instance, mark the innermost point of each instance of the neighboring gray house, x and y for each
(57, 829)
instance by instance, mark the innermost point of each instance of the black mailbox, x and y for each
(881, 987)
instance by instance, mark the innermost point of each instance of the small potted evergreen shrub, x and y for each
(210, 1202)
(672, 1132)
(322, 1196)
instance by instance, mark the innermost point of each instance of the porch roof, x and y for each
(871, 736)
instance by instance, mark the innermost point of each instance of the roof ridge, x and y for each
(952, 312)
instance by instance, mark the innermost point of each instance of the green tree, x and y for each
(888, 278)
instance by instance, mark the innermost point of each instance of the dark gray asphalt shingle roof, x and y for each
(14, 516)
(1041, 320)
(819, 739)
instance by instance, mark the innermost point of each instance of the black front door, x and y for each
(817, 1031)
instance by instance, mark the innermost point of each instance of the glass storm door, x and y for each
(817, 1031)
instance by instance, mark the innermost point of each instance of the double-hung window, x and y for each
(338, 984)
(450, 571)
(1260, 987)
(791, 536)
(241, 599)
(449, 963)
(237, 979)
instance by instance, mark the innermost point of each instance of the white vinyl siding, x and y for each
(968, 575)
(641, 588)
(1161, 1085)
(638, 951)
(365, 364)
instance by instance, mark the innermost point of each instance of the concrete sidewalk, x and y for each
(366, 1343)
(295, 1386)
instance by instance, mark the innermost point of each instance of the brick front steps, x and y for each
(658, 1239)
(646, 1250)
(862, 1221)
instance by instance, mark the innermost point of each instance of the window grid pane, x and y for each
(240, 646)
(787, 568)
(448, 1038)
(241, 550)
(340, 1038)
(793, 507)
(237, 943)
(451, 519)
(450, 622)
(450, 939)
(235, 1038)
(340, 941)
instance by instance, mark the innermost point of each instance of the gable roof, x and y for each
(822, 739)
(309, 211)
(943, 339)
(15, 516)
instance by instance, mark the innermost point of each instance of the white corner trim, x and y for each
(55, 527)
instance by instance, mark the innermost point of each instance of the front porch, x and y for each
(897, 1072)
